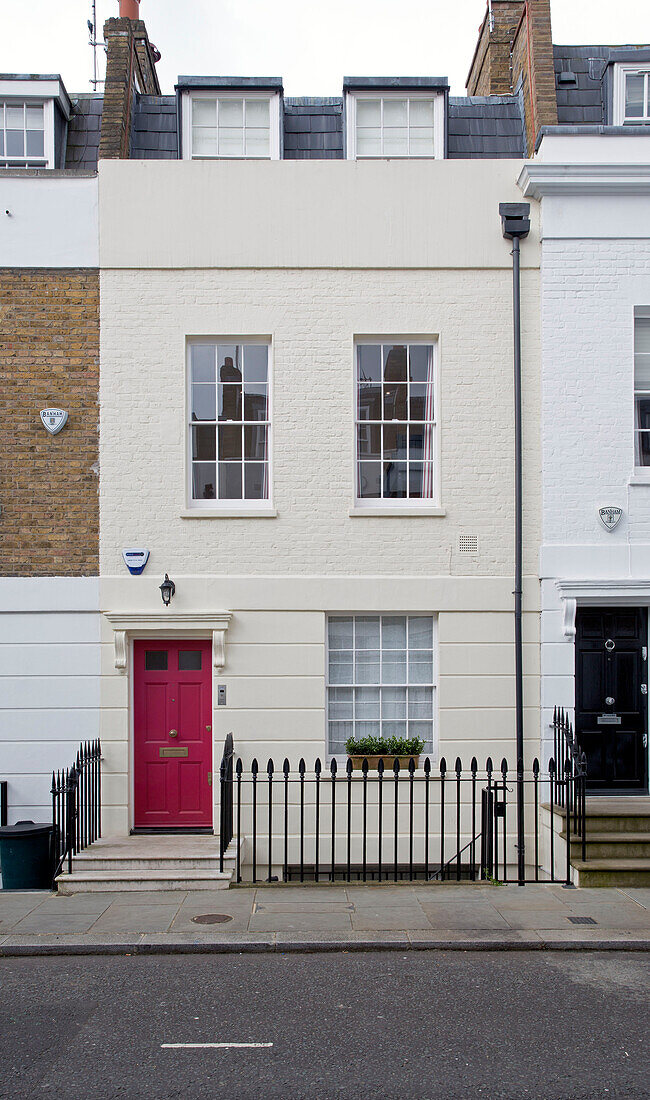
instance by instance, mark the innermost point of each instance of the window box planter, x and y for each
(389, 761)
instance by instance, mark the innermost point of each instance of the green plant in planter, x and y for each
(384, 746)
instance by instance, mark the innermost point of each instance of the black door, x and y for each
(611, 696)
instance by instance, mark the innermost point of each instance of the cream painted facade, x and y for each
(312, 255)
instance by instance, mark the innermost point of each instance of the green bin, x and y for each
(26, 856)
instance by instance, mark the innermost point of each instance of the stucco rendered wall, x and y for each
(275, 670)
(49, 684)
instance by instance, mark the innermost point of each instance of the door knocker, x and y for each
(610, 645)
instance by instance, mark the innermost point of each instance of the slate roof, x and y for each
(83, 131)
(154, 128)
(586, 101)
(485, 127)
(313, 129)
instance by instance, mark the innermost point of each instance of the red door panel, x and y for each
(172, 711)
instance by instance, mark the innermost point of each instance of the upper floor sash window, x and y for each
(229, 423)
(231, 126)
(395, 125)
(395, 422)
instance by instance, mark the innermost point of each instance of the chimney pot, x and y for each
(129, 9)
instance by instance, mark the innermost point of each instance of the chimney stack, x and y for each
(129, 9)
(514, 53)
(130, 69)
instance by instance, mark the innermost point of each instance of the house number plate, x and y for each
(174, 751)
(608, 720)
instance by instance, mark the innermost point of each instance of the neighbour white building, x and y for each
(594, 189)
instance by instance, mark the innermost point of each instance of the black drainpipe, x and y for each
(515, 223)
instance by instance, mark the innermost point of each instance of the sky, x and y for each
(312, 44)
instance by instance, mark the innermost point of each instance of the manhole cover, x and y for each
(582, 920)
(211, 918)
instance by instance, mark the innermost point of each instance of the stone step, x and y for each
(613, 845)
(144, 879)
(608, 820)
(89, 861)
(613, 872)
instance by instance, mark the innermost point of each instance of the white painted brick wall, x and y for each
(313, 316)
(590, 288)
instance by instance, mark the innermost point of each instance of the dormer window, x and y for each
(632, 95)
(22, 135)
(394, 124)
(29, 107)
(231, 125)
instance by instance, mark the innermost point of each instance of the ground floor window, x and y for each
(380, 679)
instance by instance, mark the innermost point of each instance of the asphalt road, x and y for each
(552, 1026)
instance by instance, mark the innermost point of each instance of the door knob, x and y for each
(173, 733)
(610, 700)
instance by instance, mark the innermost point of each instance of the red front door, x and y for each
(172, 734)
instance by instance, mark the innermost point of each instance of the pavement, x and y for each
(320, 918)
(405, 1025)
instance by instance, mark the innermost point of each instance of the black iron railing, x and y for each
(571, 795)
(394, 823)
(77, 805)
(226, 802)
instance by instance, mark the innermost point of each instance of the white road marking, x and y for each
(213, 1046)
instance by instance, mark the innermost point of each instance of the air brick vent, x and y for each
(468, 544)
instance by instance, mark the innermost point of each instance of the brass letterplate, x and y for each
(173, 751)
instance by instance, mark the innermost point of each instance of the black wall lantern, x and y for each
(167, 590)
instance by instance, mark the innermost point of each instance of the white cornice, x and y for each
(611, 593)
(169, 624)
(538, 179)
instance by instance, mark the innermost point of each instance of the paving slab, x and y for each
(77, 903)
(147, 897)
(42, 924)
(182, 922)
(301, 905)
(639, 894)
(537, 921)
(390, 920)
(300, 922)
(382, 895)
(139, 919)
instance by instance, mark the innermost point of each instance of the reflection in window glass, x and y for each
(380, 678)
(229, 421)
(395, 421)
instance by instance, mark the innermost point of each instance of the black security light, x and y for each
(167, 590)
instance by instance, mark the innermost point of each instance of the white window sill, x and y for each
(400, 510)
(229, 513)
(640, 478)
